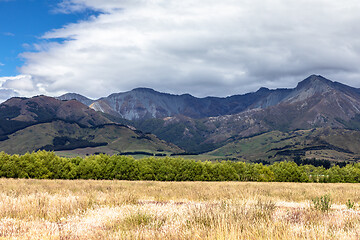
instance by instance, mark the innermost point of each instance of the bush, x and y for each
(350, 204)
(322, 203)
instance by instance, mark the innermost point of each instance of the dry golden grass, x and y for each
(87, 209)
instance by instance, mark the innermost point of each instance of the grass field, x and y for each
(89, 209)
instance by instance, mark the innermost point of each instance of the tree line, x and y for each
(47, 165)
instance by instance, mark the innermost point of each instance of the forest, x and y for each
(47, 165)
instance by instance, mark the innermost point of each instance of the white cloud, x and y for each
(5, 94)
(68, 6)
(24, 84)
(9, 34)
(202, 47)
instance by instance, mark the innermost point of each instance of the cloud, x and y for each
(9, 34)
(202, 47)
(68, 6)
(5, 94)
(1, 64)
(23, 84)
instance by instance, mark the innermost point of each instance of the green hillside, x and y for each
(71, 138)
(321, 143)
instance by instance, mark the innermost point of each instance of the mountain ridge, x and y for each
(146, 103)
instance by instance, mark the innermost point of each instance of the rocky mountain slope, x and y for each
(78, 97)
(145, 103)
(203, 124)
(315, 102)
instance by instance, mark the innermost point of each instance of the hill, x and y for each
(41, 122)
(319, 143)
(18, 113)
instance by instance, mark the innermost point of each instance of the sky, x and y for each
(205, 48)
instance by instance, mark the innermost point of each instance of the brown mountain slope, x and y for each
(42, 108)
(62, 136)
(17, 113)
(29, 124)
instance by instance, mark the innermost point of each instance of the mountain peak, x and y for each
(314, 81)
(143, 89)
(312, 86)
(263, 89)
(75, 96)
(71, 94)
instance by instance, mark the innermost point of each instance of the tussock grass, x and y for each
(88, 209)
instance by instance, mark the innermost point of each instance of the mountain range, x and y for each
(312, 115)
(145, 103)
(203, 124)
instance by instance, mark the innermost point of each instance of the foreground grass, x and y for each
(87, 209)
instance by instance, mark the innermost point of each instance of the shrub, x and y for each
(322, 203)
(350, 204)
